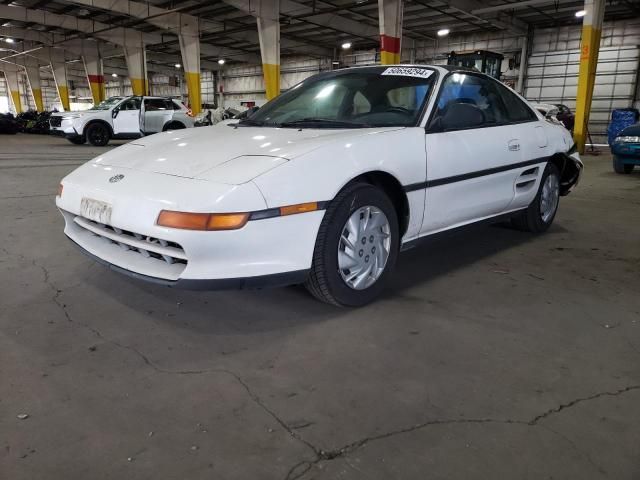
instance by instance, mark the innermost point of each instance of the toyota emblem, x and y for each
(116, 178)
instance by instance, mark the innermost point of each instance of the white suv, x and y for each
(121, 117)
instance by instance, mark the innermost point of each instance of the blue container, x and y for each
(621, 118)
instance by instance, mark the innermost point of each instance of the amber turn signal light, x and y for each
(202, 221)
(299, 208)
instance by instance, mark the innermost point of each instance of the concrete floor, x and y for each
(495, 354)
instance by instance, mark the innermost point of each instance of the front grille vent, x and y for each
(148, 247)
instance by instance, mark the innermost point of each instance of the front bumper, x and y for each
(66, 129)
(629, 151)
(271, 251)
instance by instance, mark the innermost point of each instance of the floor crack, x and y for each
(300, 469)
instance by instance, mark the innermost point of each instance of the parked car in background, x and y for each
(324, 185)
(626, 149)
(8, 124)
(121, 117)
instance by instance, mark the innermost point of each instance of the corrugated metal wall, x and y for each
(246, 84)
(552, 73)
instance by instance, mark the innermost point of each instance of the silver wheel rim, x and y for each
(364, 246)
(549, 198)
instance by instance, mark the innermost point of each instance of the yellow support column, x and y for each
(269, 35)
(589, 49)
(390, 20)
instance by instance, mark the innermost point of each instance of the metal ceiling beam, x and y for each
(513, 6)
(499, 20)
(167, 19)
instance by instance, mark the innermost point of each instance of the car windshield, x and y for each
(107, 104)
(358, 98)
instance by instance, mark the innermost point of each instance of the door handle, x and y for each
(513, 145)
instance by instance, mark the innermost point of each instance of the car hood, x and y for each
(219, 153)
(631, 131)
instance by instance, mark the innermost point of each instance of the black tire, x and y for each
(98, 134)
(77, 140)
(531, 219)
(620, 167)
(173, 126)
(325, 281)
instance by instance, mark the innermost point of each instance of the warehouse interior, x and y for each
(492, 354)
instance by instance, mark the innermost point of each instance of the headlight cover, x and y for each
(627, 139)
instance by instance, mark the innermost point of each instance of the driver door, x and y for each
(469, 163)
(127, 117)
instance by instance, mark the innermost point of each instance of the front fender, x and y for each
(320, 174)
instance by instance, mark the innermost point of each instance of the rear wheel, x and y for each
(356, 248)
(620, 167)
(98, 134)
(539, 216)
(77, 140)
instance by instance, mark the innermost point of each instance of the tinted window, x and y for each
(474, 90)
(176, 105)
(517, 110)
(131, 104)
(153, 104)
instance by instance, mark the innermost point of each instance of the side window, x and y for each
(175, 105)
(480, 92)
(155, 104)
(131, 104)
(517, 110)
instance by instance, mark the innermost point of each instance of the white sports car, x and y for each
(324, 185)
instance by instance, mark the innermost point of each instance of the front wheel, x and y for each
(356, 248)
(620, 167)
(539, 216)
(98, 135)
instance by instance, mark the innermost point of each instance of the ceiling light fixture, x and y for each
(581, 13)
(114, 75)
(222, 61)
(177, 65)
(9, 40)
(346, 45)
(443, 32)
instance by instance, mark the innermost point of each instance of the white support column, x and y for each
(390, 14)
(95, 74)
(33, 77)
(269, 33)
(59, 68)
(12, 73)
(136, 59)
(189, 36)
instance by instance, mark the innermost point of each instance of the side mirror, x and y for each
(459, 116)
(114, 112)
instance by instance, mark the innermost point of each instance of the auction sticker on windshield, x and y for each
(408, 72)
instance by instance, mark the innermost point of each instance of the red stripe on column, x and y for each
(96, 78)
(389, 44)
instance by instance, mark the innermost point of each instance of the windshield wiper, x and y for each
(321, 122)
(249, 122)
